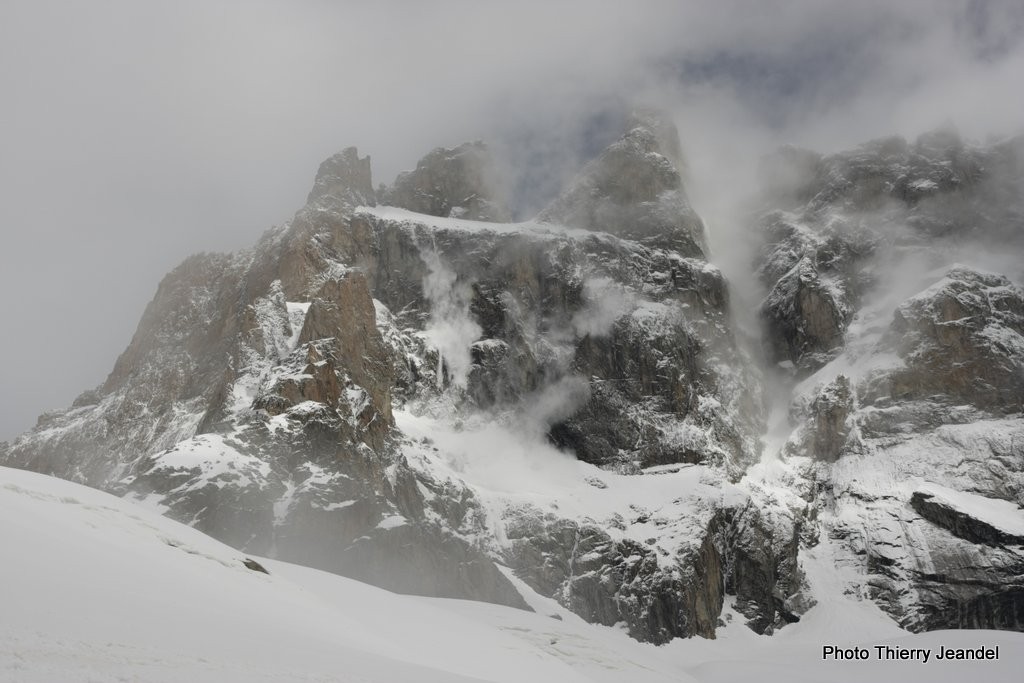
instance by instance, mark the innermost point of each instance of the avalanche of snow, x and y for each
(512, 469)
(605, 301)
(296, 318)
(245, 389)
(451, 328)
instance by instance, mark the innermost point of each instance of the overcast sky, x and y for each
(135, 133)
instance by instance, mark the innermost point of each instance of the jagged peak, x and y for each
(458, 182)
(344, 178)
(633, 189)
(659, 123)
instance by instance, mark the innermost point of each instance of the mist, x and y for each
(134, 134)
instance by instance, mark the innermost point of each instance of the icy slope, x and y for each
(96, 589)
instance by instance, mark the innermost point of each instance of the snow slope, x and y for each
(411, 218)
(96, 588)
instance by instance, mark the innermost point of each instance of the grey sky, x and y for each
(135, 133)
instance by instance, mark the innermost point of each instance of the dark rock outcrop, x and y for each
(610, 582)
(343, 179)
(963, 338)
(762, 568)
(830, 420)
(961, 523)
(461, 182)
(806, 315)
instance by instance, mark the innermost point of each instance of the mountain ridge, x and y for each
(343, 394)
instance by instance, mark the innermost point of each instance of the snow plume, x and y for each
(554, 403)
(605, 301)
(451, 328)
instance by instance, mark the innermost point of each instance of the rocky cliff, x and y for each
(403, 387)
(907, 359)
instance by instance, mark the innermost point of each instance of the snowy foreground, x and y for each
(95, 588)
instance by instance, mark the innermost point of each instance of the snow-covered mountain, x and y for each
(416, 396)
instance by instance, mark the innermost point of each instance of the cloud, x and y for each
(136, 133)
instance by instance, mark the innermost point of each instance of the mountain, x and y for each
(399, 387)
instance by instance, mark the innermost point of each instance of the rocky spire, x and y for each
(344, 178)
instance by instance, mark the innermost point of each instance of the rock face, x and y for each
(908, 440)
(165, 385)
(963, 337)
(344, 179)
(420, 396)
(634, 190)
(961, 523)
(829, 421)
(806, 313)
(461, 183)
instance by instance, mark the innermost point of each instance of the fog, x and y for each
(133, 134)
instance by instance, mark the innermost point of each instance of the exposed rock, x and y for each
(806, 315)
(461, 183)
(254, 565)
(762, 568)
(830, 421)
(660, 595)
(961, 523)
(343, 179)
(977, 582)
(962, 338)
(343, 310)
(610, 582)
(890, 168)
(963, 605)
(634, 190)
